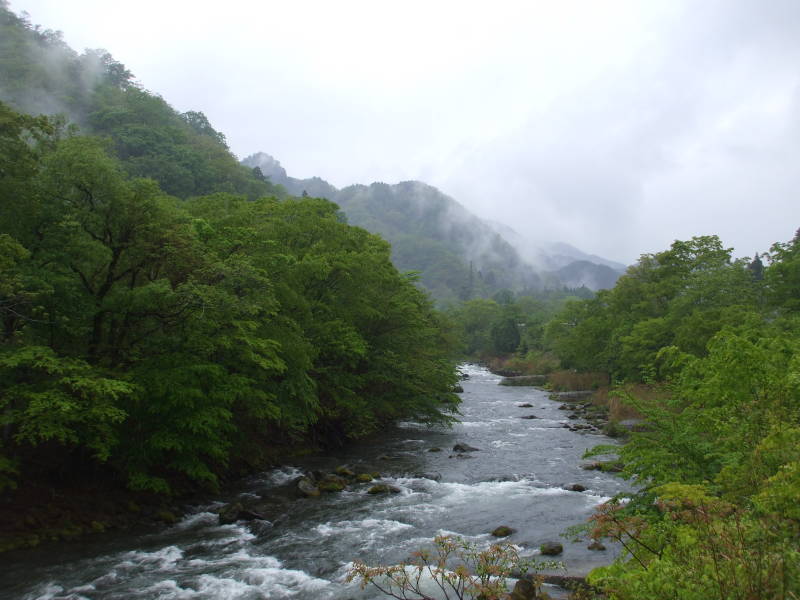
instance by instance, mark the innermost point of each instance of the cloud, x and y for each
(616, 126)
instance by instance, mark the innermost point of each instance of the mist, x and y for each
(614, 128)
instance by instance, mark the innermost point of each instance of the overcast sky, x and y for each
(615, 126)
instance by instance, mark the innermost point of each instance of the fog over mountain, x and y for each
(458, 254)
(616, 126)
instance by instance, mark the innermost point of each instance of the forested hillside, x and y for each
(167, 313)
(458, 255)
(713, 346)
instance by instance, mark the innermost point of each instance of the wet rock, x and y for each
(332, 483)
(572, 416)
(529, 417)
(463, 375)
(524, 589)
(576, 487)
(364, 477)
(344, 472)
(458, 389)
(230, 513)
(551, 549)
(306, 487)
(435, 449)
(384, 457)
(383, 488)
(502, 531)
(525, 405)
(563, 407)
(464, 448)
(596, 545)
(592, 466)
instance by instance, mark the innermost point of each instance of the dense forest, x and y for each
(167, 313)
(712, 344)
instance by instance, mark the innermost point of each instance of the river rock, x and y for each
(576, 487)
(524, 589)
(229, 513)
(529, 417)
(364, 477)
(383, 488)
(502, 531)
(344, 472)
(464, 448)
(458, 389)
(332, 483)
(435, 449)
(551, 548)
(596, 545)
(525, 405)
(307, 487)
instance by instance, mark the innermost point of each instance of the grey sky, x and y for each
(616, 126)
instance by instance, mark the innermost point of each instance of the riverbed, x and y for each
(516, 477)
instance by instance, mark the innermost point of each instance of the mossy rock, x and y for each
(502, 531)
(364, 477)
(435, 449)
(166, 516)
(98, 526)
(551, 549)
(344, 472)
(329, 486)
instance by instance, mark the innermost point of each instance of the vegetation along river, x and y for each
(303, 549)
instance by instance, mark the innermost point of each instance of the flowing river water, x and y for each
(516, 478)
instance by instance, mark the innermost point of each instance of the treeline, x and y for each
(718, 460)
(156, 341)
(509, 324)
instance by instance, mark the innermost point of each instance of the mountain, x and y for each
(457, 254)
(583, 273)
(271, 169)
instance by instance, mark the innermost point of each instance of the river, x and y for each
(516, 478)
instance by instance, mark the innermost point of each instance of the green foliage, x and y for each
(168, 339)
(718, 459)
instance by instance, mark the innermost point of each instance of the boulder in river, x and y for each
(464, 448)
(502, 531)
(525, 405)
(576, 487)
(596, 545)
(230, 513)
(344, 472)
(364, 477)
(435, 449)
(529, 417)
(524, 589)
(551, 549)
(307, 487)
(458, 389)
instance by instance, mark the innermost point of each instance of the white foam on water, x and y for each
(373, 526)
(162, 560)
(462, 493)
(518, 434)
(283, 475)
(204, 519)
(503, 444)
